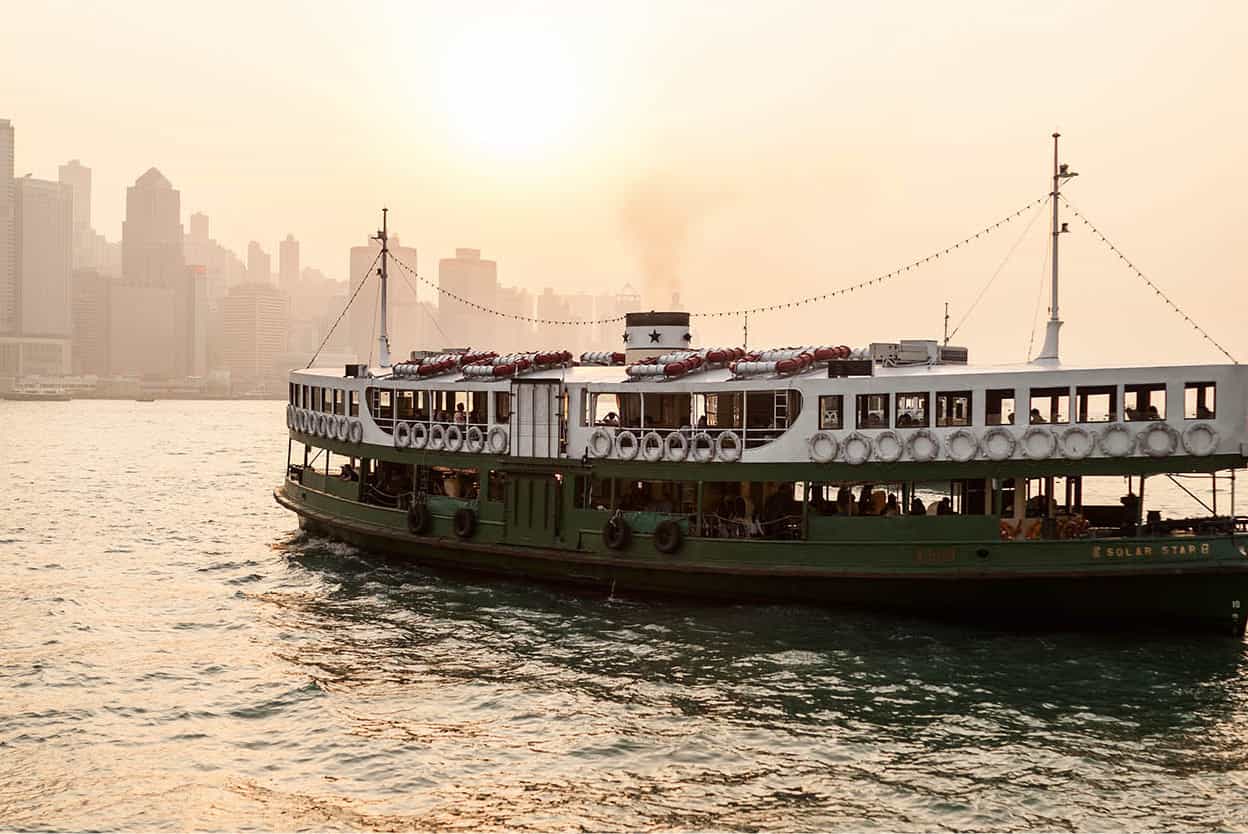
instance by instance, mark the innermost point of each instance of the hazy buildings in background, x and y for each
(44, 258)
(404, 326)
(288, 265)
(255, 322)
(8, 231)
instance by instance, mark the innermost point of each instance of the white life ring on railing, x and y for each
(299, 418)
(675, 447)
(1200, 439)
(290, 416)
(889, 446)
(420, 436)
(474, 440)
(999, 443)
(1158, 440)
(356, 431)
(923, 446)
(1039, 443)
(600, 443)
(497, 439)
(730, 451)
(322, 425)
(1116, 440)
(963, 446)
(626, 445)
(824, 447)
(856, 448)
(702, 447)
(652, 446)
(343, 427)
(1078, 442)
(309, 422)
(453, 439)
(402, 435)
(437, 437)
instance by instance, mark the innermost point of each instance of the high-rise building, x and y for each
(191, 348)
(90, 333)
(476, 280)
(44, 258)
(77, 177)
(255, 319)
(8, 231)
(259, 265)
(199, 227)
(151, 234)
(288, 265)
(404, 325)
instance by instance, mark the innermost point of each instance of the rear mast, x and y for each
(383, 338)
(1049, 354)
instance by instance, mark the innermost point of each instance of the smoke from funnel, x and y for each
(659, 214)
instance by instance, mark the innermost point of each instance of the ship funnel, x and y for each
(651, 334)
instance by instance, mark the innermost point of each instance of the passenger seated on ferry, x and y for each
(1130, 512)
(348, 473)
(780, 504)
(461, 416)
(1037, 417)
(1153, 413)
(916, 506)
(702, 422)
(891, 507)
(612, 419)
(1037, 506)
(844, 500)
(864, 500)
(945, 507)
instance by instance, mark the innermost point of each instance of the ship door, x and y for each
(532, 508)
(537, 417)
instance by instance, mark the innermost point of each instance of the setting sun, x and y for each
(510, 89)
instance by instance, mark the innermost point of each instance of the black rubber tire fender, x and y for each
(668, 537)
(419, 519)
(616, 534)
(465, 523)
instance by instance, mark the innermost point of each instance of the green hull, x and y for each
(1186, 582)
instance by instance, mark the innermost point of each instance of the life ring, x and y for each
(356, 432)
(963, 446)
(1039, 443)
(321, 423)
(402, 435)
(290, 416)
(652, 446)
(923, 446)
(437, 438)
(730, 451)
(418, 519)
(1158, 440)
(616, 534)
(1078, 443)
(305, 421)
(474, 440)
(420, 436)
(1200, 439)
(299, 418)
(667, 537)
(999, 443)
(600, 443)
(453, 438)
(824, 447)
(856, 448)
(675, 447)
(1116, 440)
(702, 447)
(343, 428)
(626, 445)
(889, 446)
(465, 523)
(497, 439)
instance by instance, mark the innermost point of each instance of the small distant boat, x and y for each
(38, 392)
(145, 399)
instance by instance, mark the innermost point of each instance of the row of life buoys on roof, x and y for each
(652, 447)
(602, 357)
(787, 361)
(319, 424)
(1000, 443)
(678, 363)
(513, 363)
(450, 437)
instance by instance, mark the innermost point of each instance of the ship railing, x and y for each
(724, 527)
(752, 437)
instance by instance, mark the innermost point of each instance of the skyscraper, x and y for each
(259, 265)
(469, 277)
(44, 258)
(8, 231)
(288, 265)
(255, 322)
(77, 177)
(151, 234)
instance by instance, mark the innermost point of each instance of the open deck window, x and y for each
(1096, 403)
(832, 411)
(667, 411)
(1146, 401)
(502, 406)
(719, 411)
(405, 404)
(912, 411)
(1199, 401)
(327, 400)
(872, 411)
(953, 408)
(354, 408)
(1049, 405)
(999, 407)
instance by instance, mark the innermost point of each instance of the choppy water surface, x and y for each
(174, 654)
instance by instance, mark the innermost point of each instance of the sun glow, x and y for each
(511, 90)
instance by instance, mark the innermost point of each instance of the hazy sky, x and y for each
(786, 147)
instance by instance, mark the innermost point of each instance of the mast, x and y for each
(383, 338)
(1049, 354)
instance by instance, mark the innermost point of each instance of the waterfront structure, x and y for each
(893, 476)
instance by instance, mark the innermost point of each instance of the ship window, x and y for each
(354, 410)
(405, 404)
(666, 411)
(832, 412)
(719, 411)
(1199, 401)
(304, 401)
(1049, 405)
(601, 406)
(1097, 403)
(999, 407)
(912, 410)
(953, 408)
(872, 411)
(502, 406)
(339, 402)
(1144, 402)
(327, 400)
(477, 404)
(291, 395)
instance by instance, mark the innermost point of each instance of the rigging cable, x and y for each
(1000, 267)
(373, 333)
(363, 281)
(1035, 313)
(433, 319)
(1151, 285)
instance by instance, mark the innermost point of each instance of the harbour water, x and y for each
(174, 654)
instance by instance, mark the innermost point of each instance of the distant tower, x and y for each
(151, 234)
(259, 265)
(78, 177)
(8, 231)
(199, 227)
(44, 257)
(288, 264)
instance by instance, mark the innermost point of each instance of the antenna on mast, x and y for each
(1049, 353)
(383, 338)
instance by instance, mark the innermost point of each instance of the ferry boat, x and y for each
(37, 391)
(892, 476)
